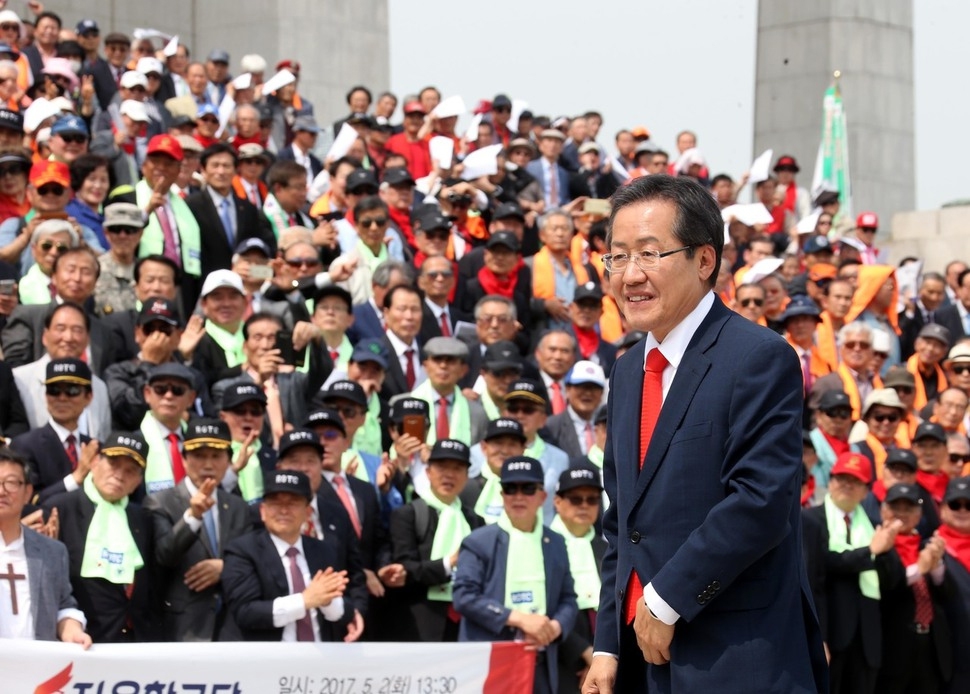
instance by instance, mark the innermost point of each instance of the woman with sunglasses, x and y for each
(51, 238)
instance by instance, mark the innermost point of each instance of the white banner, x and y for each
(38, 667)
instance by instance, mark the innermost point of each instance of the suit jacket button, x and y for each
(716, 586)
(635, 537)
(701, 599)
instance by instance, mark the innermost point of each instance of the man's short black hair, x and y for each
(261, 316)
(68, 306)
(159, 258)
(360, 88)
(219, 148)
(406, 288)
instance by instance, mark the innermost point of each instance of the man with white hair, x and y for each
(854, 376)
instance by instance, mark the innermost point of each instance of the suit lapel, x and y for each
(267, 552)
(53, 443)
(358, 499)
(97, 339)
(36, 574)
(693, 368)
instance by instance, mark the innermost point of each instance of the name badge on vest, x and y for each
(521, 597)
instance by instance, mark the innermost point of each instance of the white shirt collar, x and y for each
(399, 346)
(282, 546)
(675, 344)
(63, 433)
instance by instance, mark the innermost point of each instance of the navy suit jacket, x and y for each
(366, 324)
(49, 459)
(479, 589)
(534, 167)
(287, 154)
(712, 518)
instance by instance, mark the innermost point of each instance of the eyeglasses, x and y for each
(588, 500)
(437, 235)
(488, 320)
(349, 412)
(12, 486)
(331, 308)
(857, 345)
(254, 411)
(752, 302)
(644, 260)
(157, 327)
(867, 230)
(375, 222)
(959, 458)
(46, 246)
(522, 409)
(11, 170)
(894, 417)
(525, 489)
(436, 275)
(821, 223)
(960, 370)
(75, 139)
(301, 262)
(71, 391)
(54, 189)
(160, 389)
(9, 26)
(210, 121)
(839, 413)
(958, 505)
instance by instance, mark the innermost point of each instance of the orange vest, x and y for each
(825, 339)
(240, 189)
(852, 390)
(611, 325)
(816, 365)
(912, 365)
(544, 275)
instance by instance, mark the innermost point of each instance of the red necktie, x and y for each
(558, 403)
(848, 528)
(409, 371)
(335, 355)
(174, 450)
(170, 250)
(589, 436)
(304, 627)
(807, 372)
(554, 185)
(923, 614)
(442, 429)
(344, 496)
(445, 327)
(70, 447)
(309, 528)
(649, 412)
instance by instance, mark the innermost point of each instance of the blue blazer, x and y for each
(479, 589)
(366, 324)
(534, 167)
(712, 518)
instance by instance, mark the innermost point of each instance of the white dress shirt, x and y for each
(288, 610)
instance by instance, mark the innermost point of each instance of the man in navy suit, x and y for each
(553, 179)
(704, 579)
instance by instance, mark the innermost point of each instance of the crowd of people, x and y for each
(252, 390)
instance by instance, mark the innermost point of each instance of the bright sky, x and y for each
(632, 60)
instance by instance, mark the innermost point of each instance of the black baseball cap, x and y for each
(404, 406)
(902, 456)
(958, 488)
(579, 475)
(287, 482)
(504, 426)
(324, 416)
(359, 178)
(929, 430)
(906, 492)
(126, 443)
(211, 433)
(588, 291)
(503, 238)
(299, 437)
(398, 175)
(832, 399)
(68, 370)
(502, 355)
(450, 449)
(241, 393)
(172, 369)
(346, 390)
(161, 309)
(521, 468)
(509, 210)
(527, 389)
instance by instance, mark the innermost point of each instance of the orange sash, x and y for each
(852, 390)
(912, 365)
(544, 275)
(825, 338)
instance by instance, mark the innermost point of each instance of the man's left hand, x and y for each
(203, 574)
(653, 636)
(355, 628)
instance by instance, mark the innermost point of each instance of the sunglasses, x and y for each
(211, 121)
(858, 345)
(435, 275)
(960, 370)
(886, 418)
(11, 170)
(502, 109)
(122, 231)
(526, 489)
(71, 391)
(839, 413)
(9, 26)
(958, 505)
(375, 222)
(756, 302)
(521, 409)
(330, 435)
(254, 411)
(881, 355)
(51, 190)
(46, 246)
(959, 458)
(76, 139)
(157, 327)
(349, 412)
(437, 235)
(160, 389)
(588, 500)
(301, 262)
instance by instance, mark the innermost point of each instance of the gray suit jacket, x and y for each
(96, 420)
(563, 434)
(194, 615)
(22, 343)
(50, 582)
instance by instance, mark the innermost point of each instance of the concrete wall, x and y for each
(338, 42)
(800, 45)
(936, 236)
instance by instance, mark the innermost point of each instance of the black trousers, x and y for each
(849, 673)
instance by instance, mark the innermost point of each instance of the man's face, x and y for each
(579, 507)
(686, 141)
(195, 76)
(849, 273)
(371, 227)
(445, 372)
(898, 474)
(930, 454)
(758, 250)
(884, 297)
(556, 354)
(658, 299)
(433, 242)
(48, 247)
(904, 511)
(531, 415)
(497, 382)
(332, 315)
(244, 419)
(155, 279)
(335, 443)
(219, 170)
(584, 398)
(958, 455)
(413, 123)
(352, 414)
(261, 339)
(67, 336)
(495, 322)
(590, 161)
(838, 301)
(557, 234)
(836, 422)
(403, 317)
(953, 272)
(359, 101)
(12, 502)
(292, 195)
(46, 31)
(304, 459)
(247, 122)
(366, 371)
(217, 71)
(883, 422)
(385, 106)
(501, 260)
(930, 351)
(658, 164)
(931, 293)
(68, 146)
(66, 401)
(907, 395)
(856, 351)
(801, 329)
(116, 477)
(498, 448)
(75, 277)
(586, 313)
(955, 514)
(963, 291)
(303, 258)
(447, 478)
(522, 507)
(160, 169)
(625, 144)
(950, 408)
(550, 148)
(224, 306)
(958, 375)
(168, 398)
(750, 300)
(847, 491)
(52, 197)
(284, 514)
(399, 197)
(437, 278)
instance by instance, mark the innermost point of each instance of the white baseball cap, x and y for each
(222, 278)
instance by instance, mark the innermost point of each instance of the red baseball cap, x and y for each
(165, 144)
(787, 162)
(414, 107)
(291, 65)
(48, 171)
(867, 220)
(854, 464)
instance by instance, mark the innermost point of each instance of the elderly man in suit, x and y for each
(703, 585)
(572, 429)
(553, 179)
(453, 416)
(282, 585)
(35, 593)
(194, 521)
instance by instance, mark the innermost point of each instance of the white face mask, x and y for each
(75, 66)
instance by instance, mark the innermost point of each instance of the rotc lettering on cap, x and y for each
(452, 445)
(581, 474)
(520, 465)
(412, 404)
(284, 478)
(206, 429)
(505, 424)
(343, 385)
(247, 390)
(65, 368)
(134, 444)
(303, 436)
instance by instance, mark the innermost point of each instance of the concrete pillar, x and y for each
(800, 45)
(338, 43)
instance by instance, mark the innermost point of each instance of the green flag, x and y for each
(832, 163)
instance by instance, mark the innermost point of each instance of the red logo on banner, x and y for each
(56, 683)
